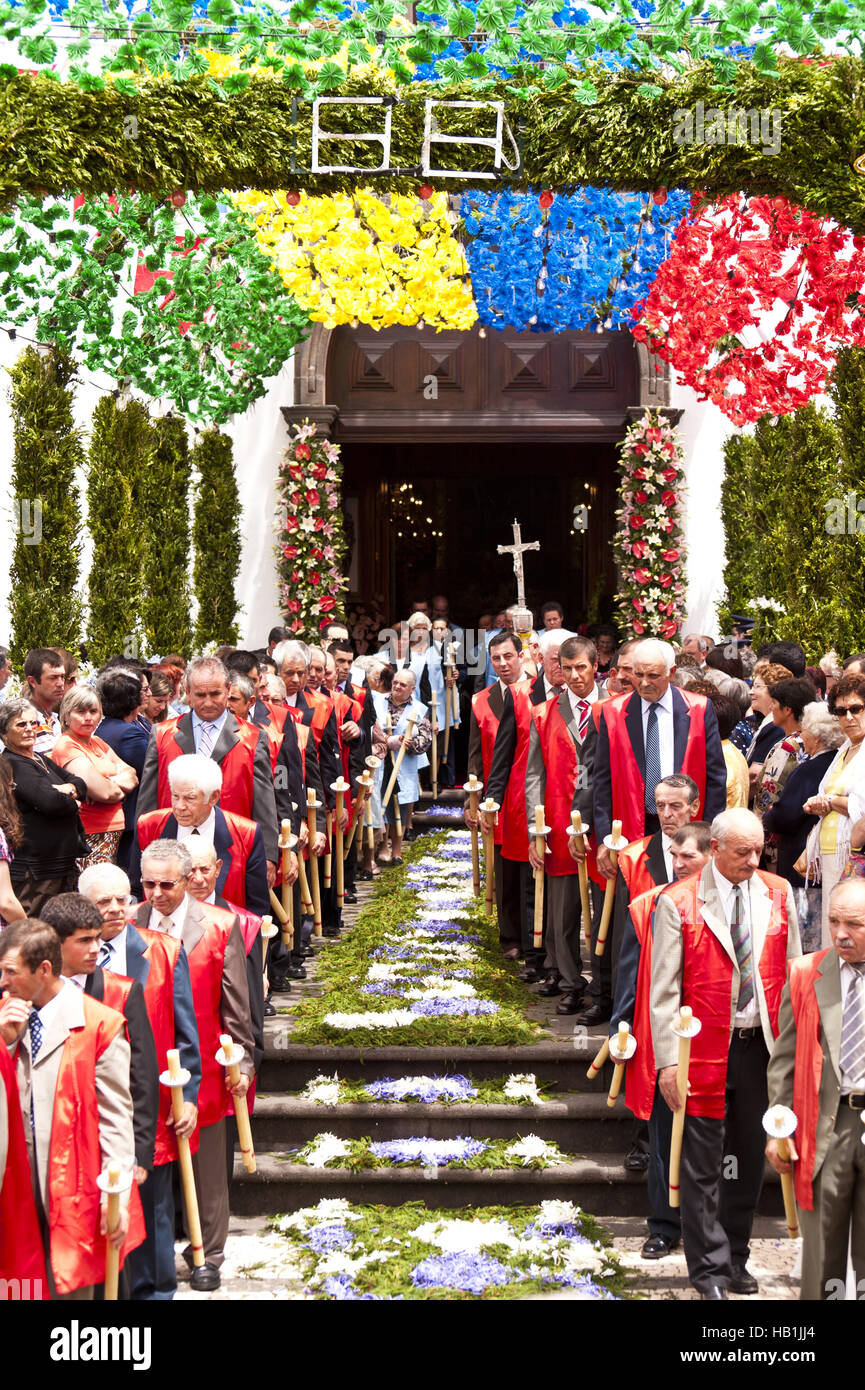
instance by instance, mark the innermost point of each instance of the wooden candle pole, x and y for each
(305, 896)
(474, 789)
(600, 1058)
(448, 668)
(328, 858)
(685, 1027)
(176, 1077)
(268, 931)
(540, 849)
(490, 808)
(111, 1184)
(433, 699)
(368, 825)
(311, 808)
(579, 833)
(622, 1048)
(364, 788)
(397, 815)
(406, 740)
(228, 1056)
(340, 787)
(779, 1123)
(614, 843)
(287, 842)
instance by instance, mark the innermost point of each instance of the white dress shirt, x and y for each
(216, 726)
(79, 981)
(549, 689)
(177, 918)
(206, 830)
(666, 847)
(291, 700)
(749, 1017)
(848, 975)
(577, 700)
(116, 961)
(666, 746)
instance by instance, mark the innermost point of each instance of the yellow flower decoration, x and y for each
(360, 257)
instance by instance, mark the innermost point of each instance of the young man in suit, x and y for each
(160, 966)
(72, 1065)
(217, 968)
(817, 1069)
(645, 736)
(211, 730)
(722, 939)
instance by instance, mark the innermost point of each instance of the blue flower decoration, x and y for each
(469, 1273)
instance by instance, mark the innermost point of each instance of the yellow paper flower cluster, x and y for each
(378, 260)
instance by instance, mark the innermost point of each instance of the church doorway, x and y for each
(447, 438)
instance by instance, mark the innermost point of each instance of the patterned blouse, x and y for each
(781, 760)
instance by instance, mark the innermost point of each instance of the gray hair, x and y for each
(11, 709)
(163, 850)
(681, 782)
(554, 637)
(243, 684)
(206, 665)
(202, 772)
(290, 651)
(732, 820)
(820, 724)
(654, 650)
(79, 697)
(90, 878)
(409, 674)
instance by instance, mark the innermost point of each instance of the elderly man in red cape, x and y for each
(644, 736)
(818, 1071)
(722, 939)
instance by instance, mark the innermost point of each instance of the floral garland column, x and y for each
(649, 545)
(311, 541)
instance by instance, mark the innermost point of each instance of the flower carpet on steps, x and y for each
(520, 1088)
(422, 964)
(349, 1252)
(528, 1151)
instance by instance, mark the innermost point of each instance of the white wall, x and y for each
(703, 430)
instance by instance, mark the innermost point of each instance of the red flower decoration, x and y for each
(327, 604)
(639, 474)
(292, 199)
(640, 550)
(289, 552)
(642, 576)
(546, 199)
(659, 196)
(293, 605)
(670, 475)
(312, 497)
(665, 581)
(303, 452)
(669, 499)
(291, 523)
(640, 497)
(637, 522)
(669, 555)
(639, 604)
(638, 628)
(425, 192)
(315, 579)
(641, 448)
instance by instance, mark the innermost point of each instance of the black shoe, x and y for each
(365, 875)
(205, 1278)
(349, 897)
(571, 1002)
(531, 977)
(656, 1247)
(550, 987)
(330, 931)
(742, 1281)
(712, 1292)
(269, 1010)
(296, 972)
(598, 1013)
(636, 1160)
(306, 952)
(280, 986)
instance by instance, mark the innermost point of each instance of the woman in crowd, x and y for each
(174, 667)
(10, 837)
(840, 798)
(154, 704)
(787, 699)
(768, 732)
(727, 712)
(788, 823)
(108, 779)
(47, 799)
(122, 730)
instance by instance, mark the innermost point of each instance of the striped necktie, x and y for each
(104, 955)
(653, 758)
(853, 1028)
(583, 707)
(205, 739)
(35, 1044)
(742, 946)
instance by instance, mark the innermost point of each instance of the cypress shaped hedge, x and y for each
(165, 596)
(215, 539)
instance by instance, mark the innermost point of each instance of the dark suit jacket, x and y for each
(476, 762)
(626, 947)
(786, 818)
(263, 808)
(255, 985)
(539, 690)
(716, 768)
(255, 875)
(185, 1026)
(143, 1066)
(329, 759)
(536, 771)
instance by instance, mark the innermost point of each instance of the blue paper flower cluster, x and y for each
(582, 263)
(426, 1089)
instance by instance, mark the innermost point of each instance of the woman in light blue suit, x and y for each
(399, 707)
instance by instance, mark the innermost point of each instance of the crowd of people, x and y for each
(148, 813)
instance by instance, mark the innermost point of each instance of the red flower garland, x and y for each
(753, 303)
(311, 546)
(649, 546)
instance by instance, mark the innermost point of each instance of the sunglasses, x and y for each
(160, 883)
(843, 710)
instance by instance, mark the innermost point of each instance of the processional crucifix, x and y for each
(521, 615)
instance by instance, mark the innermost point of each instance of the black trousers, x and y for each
(601, 984)
(510, 900)
(722, 1168)
(534, 957)
(664, 1220)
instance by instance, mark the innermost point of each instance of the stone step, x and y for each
(597, 1182)
(575, 1122)
(288, 1066)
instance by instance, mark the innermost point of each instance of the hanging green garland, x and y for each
(44, 604)
(121, 460)
(215, 540)
(165, 598)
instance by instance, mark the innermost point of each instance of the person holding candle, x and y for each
(722, 939)
(817, 1069)
(562, 742)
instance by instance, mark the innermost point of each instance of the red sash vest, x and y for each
(77, 1251)
(808, 1070)
(641, 1072)
(346, 708)
(627, 784)
(635, 870)
(321, 706)
(488, 724)
(237, 766)
(115, 993)
(562, 765)
(162, 955)
(21, 1256)
(206, 964)
(707, 983)
(242, 831)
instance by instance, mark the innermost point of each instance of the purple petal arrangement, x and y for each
(340, 1288)
(427, 1089)
(429, 1153)
(453, 1008)
(330, 1236)
(470, 1273)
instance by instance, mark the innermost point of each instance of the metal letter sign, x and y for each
(433, 136)
(318, 134)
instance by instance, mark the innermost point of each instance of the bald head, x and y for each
(847, 919)
(737, 843)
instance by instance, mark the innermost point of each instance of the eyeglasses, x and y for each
(160, 883)
(843, 711)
